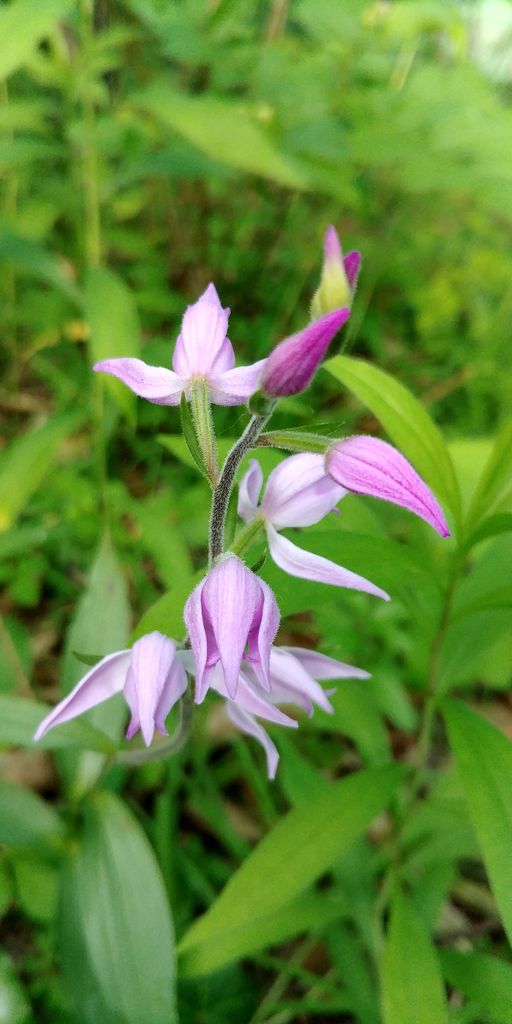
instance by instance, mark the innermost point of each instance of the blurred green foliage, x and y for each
(148, 147)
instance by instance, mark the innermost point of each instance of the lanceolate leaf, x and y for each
(297, 851)
(406, 421)
(115, 928)
(484, 979)
(412, 987)
(484, 759)
(19, 719)
(496, 479)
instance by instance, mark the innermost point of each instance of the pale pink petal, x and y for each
(299, 492)
(308, 566)
(235, 386)
(332, 248)
(100, 683)
(250, 698)
(249, 491)
(231, 596)
(320, 666)
(151, 663)
(262, 634)
(292, 682)
(158, 385)
(251, 727)
(174, 688)
(202, 337)
(367, 465)
(193, 616)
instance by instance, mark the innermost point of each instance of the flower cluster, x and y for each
(231, 616)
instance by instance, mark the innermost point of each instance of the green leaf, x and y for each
(26, 819)
(356, 714)
(412, 987)
(484, 759)
(115, 332)
(88, 659)
(223, 130)
(492, 526)
(15, 1007)
(176, 444)
(166, 614)
(27, 460)
(308, 840)
(115, 930)
(19, 719)
(30, 258)
(496, 477)
(187, 425)
(501, 597)
(407, 423)
(484, 979)
(22, 25)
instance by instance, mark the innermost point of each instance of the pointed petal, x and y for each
(292, 683)
(249, 491)
(152, 660)
(367, 465)
(320, 666)
(174, 687)
(250, 698)
(235, 386)
(249, 725)
(262, 634)
(158, 385)
(352, 264)
(299, 492)
(202, 336)
(231, 595)
(293, 363)
(194, 621)
(308, 566)
(101, 682)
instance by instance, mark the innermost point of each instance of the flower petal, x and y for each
(231, 596)
(299, 492)
(320, 666)
(249, 725)
(293, 363)
(352, 264)
(250, 698)
(158, 385)
(202, 341)
(291, 682)
(100, 683)
(193, 616)
(262, 634)
(249, 491)
(367, 465)
(174, 687)
(308, 566)
(152, 660)
(234, 387)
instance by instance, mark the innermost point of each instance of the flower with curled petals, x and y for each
(202, 352)
(150, 676)
(231, 616)
(298, 493)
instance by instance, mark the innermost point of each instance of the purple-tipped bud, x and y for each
(293, 363)
(339, 277)
(367, 465)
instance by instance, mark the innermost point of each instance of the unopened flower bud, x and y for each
(339, 277)
(293, 363)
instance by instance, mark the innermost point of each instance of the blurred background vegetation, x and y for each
(148, 147)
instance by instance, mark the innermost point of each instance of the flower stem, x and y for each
(222, 492)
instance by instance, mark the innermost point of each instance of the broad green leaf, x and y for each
(501, 597)
(485, 979)
(101, 626)
(496, 479)
(36, 885)
(27, 460)
(223, 130)
(412, 987)
(112, 315)
(407, 423)
(484, 759)
(19, 719)
(308, 840)
(33, 259)
(26, 819)
(22, 25)
(115, 929)
(309, 912)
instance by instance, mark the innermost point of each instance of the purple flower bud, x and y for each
(339, 276)
(367, 465)
(231, 615)
(293, 363)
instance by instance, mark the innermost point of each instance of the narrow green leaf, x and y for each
(115, 930)
(187, 425)
(492, 526)
(27, 460)
(500, 597)
(22, 25)
(115, 332)
(485, 979)
(406, 421)
(484, 759)
(19, 719)
(496, 477)
(87, 659)
(412, 987)
(26, 820)
(223, 130)
(166, 614)
(308, 840)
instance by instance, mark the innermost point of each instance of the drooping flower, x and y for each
(202, 352)
(293, 363)
(231, 616)
(294, 672)
(367, 465)
(298, 493)
(339, 276)
(150, 675)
